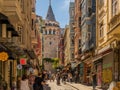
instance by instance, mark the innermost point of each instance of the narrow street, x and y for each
(54, 86)
(68, 86)
(75, 41)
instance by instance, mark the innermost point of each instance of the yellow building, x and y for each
(107, 41)
(77, 36)
(15, 35)
(67, 45)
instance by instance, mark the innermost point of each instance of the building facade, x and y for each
(107, 37)
(61, 48)
(66, 45)
(15, 37)
(88, 36)
(71, 15)
(51, 37)
(77, 30)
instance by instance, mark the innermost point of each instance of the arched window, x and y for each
(53, 31)
(49, 31)
(45, 31)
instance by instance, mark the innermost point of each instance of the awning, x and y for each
(8, 51)
(31, 54)
(100, 56)
(15, 49)
(4, 19)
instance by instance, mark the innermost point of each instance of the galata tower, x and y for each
(51, 35)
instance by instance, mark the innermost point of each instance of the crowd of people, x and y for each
(33, 82)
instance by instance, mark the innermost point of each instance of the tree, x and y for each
(55, 62)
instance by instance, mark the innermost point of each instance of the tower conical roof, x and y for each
(50, 15)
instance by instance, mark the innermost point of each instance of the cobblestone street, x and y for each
(69, 86)
(54, 86)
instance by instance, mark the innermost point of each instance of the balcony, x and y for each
(114, 25)
(13, 9)
(5, 40)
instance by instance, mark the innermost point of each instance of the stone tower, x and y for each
(51, 35)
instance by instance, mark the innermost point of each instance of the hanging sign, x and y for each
(23, 61)
(3, 56)
(19, 66)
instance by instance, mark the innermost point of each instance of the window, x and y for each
(53, 32)
(101, 3)
(72, 55)
(89, 3)
(72, 39)
(45, 31)
(101, 30)
(49, 31)
(50, 43)
(114, 7)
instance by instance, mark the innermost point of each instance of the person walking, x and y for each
(24, 83)
(31, 81)
(94, 81)
(18, 82)
(14, 85)
(39, 82)
(58, 79)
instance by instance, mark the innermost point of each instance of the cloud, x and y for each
(66, 3)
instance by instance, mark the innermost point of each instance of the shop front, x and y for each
(7, 64)
(81, 71)
(108, 68)
(98, 65)
(87, 72)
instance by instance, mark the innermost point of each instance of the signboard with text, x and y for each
(3, 56)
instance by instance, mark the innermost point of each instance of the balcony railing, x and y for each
(13, 7)
(5, 40)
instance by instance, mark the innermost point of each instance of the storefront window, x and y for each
(107, 75)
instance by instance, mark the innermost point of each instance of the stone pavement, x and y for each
(81, 87)
(69, 86)
(62, 86)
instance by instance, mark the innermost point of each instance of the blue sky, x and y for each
(60, 9)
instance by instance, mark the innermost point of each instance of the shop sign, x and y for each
(107, 65)
(3, 56)
(23, 61)
(19, 66)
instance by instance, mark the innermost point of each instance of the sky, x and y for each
(60, 10)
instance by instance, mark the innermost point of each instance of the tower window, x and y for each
(53, 32)
(50, 43)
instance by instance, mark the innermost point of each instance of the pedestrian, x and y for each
(31, 81)
(14, 85)
(94, 81)
(24, 83)
(39, 82)
(18, 82)
(58, 79)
